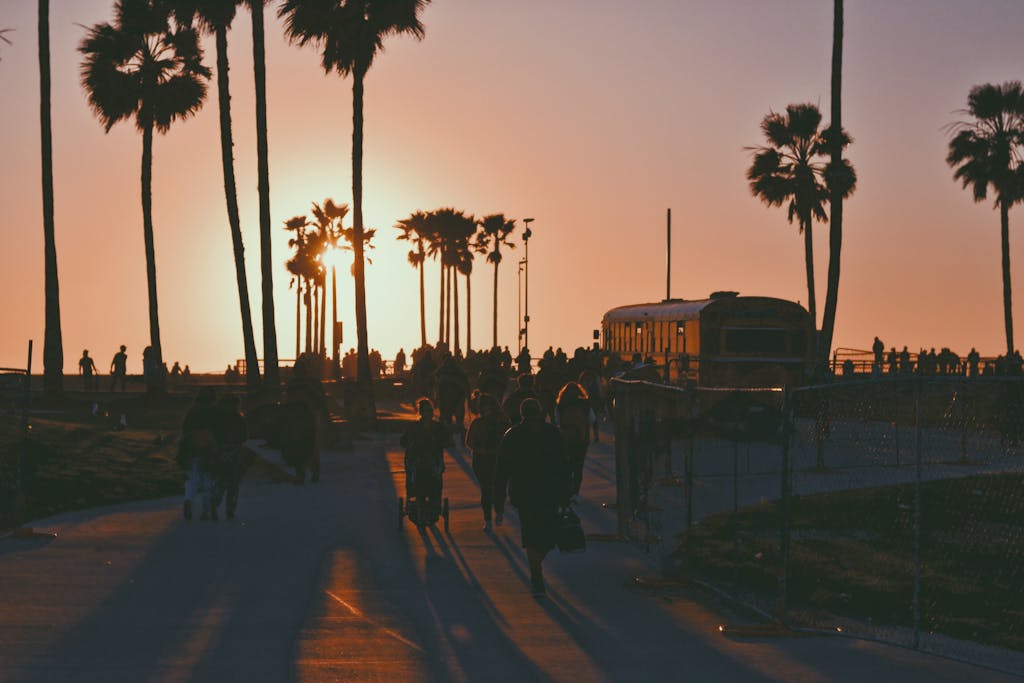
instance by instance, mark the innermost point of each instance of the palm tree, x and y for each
(987, 151)
(415, 229)
(841, 179)
(271, 374)
(496, 229)
(454, 230)
(302, 267)
(5, 39)
(53, 346)
(789, 170)
(350, 34)
(216, 16)
(140, 66)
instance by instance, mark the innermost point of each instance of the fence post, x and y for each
(917, 514)
(786, 487)
(735, 511)
(19, 480)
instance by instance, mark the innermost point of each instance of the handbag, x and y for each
(570, 532)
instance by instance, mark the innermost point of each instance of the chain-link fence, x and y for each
(890, 508)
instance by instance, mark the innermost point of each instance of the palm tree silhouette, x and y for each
(415, 229)
(53, 346)
(216, 16)
(453, 229)
(303, 265)
(271, 373)
(496, 229)
(350, 34)
(5, 39)
(788, 169)
(141, 67)
(841, 179)
(987, 151)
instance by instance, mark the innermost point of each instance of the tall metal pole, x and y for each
(668, 256)
(527, 233)
(519, 306)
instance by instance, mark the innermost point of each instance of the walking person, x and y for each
(483, 439)
(573, 409)
(533, 471)
(424, 442)
(119, 368)
(87, 369)
(231, 435)
(199, 453)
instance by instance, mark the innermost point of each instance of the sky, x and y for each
(590, 116)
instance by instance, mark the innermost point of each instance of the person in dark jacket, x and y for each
(532, 469)
(424, 442)
(524, 390)
(199, 453)
(573, 407)
(231, 435)
(483, 439)
(452, 391)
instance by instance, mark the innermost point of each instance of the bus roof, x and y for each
(682, 309)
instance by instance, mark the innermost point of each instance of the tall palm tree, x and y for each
(789, 169)
(271, 373)
(497, 230)
(987, 151)
(53, 346)
(350, 33)
(216, 16)
(841, 180)
(141, 66)
(5, 39)
(302, 265)
(415, 229)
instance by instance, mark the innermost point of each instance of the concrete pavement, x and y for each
(316, 583)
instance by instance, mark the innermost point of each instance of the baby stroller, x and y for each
(424, 503)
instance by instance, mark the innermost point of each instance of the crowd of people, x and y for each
(528, 436)
(928, 362)
(151, 370)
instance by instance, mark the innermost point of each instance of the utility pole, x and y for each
(527, 233)
(668, 256)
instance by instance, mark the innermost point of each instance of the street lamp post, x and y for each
(527, 233)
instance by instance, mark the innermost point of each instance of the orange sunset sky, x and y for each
(591, 116)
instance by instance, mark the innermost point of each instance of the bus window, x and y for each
(755, 340)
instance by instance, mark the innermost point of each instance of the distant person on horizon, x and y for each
(878, 348)
(175, 373)
(973, 359)
(532, 470)
(119, 368)
(523, 361)
(399, 366)
(87, 369)
(186, 374)
(891, 360)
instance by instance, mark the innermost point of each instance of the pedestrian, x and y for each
(532, 469)
(452, 391)
(399, 366)
(524, 390)
(87, 369)
(231, 435)
(424, 442)
(199, 453)
(119, 368)
(483, 439)
(878, 348)
(573, 407)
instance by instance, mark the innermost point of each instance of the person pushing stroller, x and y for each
(424, 442)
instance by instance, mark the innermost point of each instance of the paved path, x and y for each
(316, 583)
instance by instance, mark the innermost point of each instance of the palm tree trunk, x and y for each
(809, 259)
(362, 349)
(1004, 233)
(323, 317)
(53, 347)
(469, 315)
(334, 316)
(835, 224)
(298, 315)
(448, 317)
(423, 308)
(271, 374)
(307, 299)
(252, 364)
(440, 306)
(156, 377)
(455, 297)
(494, 322)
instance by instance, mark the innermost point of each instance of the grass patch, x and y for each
(76, 460)
(851, 555)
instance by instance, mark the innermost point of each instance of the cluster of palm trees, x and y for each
(313, 240)
(147, 65)
(802, 166)
(453, 238)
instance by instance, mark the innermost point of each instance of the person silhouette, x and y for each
(87, 369)
(119, 368)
